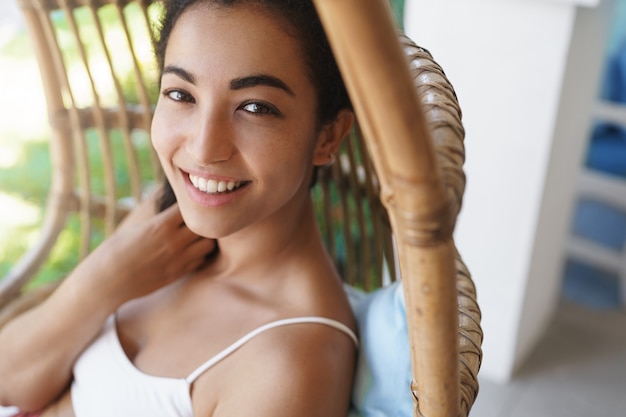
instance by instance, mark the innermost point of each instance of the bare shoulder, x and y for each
(303, 370)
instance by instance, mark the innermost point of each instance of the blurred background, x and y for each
(541, 84)
(24, 162)
(543, 87)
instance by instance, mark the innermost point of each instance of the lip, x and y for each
(212, 200)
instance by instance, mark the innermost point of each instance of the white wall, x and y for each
(569, 143)
(507, 61)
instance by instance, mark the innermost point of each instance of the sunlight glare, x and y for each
(15, 212)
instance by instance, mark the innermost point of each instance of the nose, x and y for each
(211, 139)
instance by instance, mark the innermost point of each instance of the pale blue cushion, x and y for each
(382, 386)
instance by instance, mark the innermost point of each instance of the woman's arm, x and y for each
(38, 349)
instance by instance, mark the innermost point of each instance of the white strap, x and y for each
(295, 320)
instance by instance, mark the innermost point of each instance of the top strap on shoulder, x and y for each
(278, 323)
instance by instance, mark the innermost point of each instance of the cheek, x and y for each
(162, 136)
(293, 161)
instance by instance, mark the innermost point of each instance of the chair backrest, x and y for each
(100, 80)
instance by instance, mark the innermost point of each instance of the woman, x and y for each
(251, 102)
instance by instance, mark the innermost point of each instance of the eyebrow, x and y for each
(260, 79)
(181, 73)
(236, 84)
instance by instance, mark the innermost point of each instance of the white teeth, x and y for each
(202, 184)
(211, 186)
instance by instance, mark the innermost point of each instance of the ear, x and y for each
(330, 137)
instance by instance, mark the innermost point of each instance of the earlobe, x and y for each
(330, 137)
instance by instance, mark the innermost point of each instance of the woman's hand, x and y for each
(38, 349)
(144, 256)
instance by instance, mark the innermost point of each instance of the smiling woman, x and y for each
(242, 120)
(216, 295)
(242, 117)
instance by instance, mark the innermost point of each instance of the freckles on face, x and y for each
(236, 106)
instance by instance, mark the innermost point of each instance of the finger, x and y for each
(184, 237)
(185, 243)
(171, 221)
(171, 215)
(201, 249)
(191, 265)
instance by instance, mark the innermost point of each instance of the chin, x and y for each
(199, 225)
(203, 229)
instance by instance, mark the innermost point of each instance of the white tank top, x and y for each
(106, 383)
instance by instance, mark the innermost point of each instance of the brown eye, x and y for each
(260, 108)
(178, 95)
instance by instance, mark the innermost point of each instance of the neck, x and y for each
(270, 246)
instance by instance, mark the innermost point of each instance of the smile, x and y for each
(211, 186)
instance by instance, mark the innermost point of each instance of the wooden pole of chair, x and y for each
(382, 90)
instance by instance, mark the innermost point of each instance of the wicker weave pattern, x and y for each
(443, 115)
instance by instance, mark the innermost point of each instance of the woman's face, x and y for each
(235, 126)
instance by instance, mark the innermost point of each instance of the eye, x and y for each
(179, 96)
(260, 108)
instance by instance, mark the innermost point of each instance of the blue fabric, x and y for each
(614, 87)
(596, 220)
(591, 287)
(382, 386)
(607, 150)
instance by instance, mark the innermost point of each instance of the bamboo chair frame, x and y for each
(402, 178)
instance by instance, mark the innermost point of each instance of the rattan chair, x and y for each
(387, 185)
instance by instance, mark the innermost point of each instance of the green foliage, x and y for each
(17, 48)
(26, 181)
(94, 143)
(398, 12)
(29, 177)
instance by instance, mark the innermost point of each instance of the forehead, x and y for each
(240, 38)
